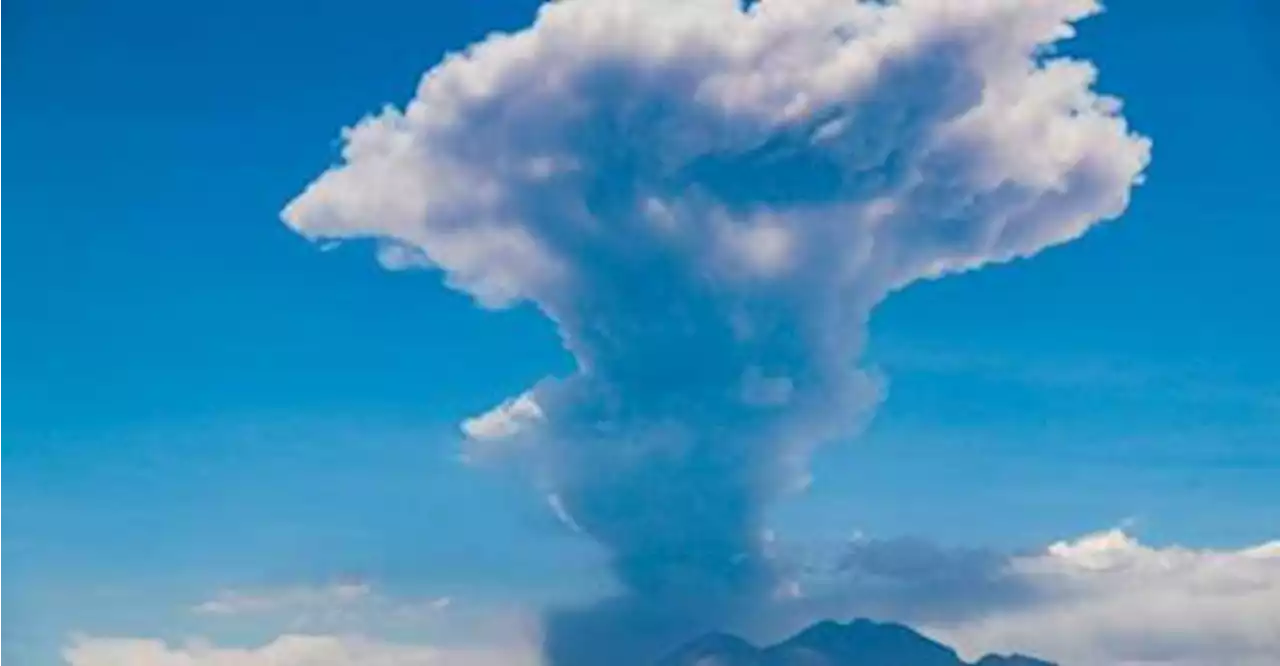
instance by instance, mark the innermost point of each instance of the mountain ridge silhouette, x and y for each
(860, 642)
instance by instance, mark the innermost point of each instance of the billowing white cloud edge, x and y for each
(1108, 600)
(1104, 599)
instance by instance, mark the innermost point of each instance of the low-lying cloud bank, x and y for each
(1104, 599)
(288, 650)
(1108, 600)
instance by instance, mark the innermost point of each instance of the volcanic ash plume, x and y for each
(708, 200)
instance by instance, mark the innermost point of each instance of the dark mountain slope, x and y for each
(829, 643)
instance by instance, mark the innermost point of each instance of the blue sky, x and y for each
(200, 400)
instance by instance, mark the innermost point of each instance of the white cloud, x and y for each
(334, 607)
(343, 624)
(1108, 600)
(1104, 599)
(488, 173)
(562, 514)
(505, 420)
(288, 650)
(289, 599)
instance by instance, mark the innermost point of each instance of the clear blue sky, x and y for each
(197, 398)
